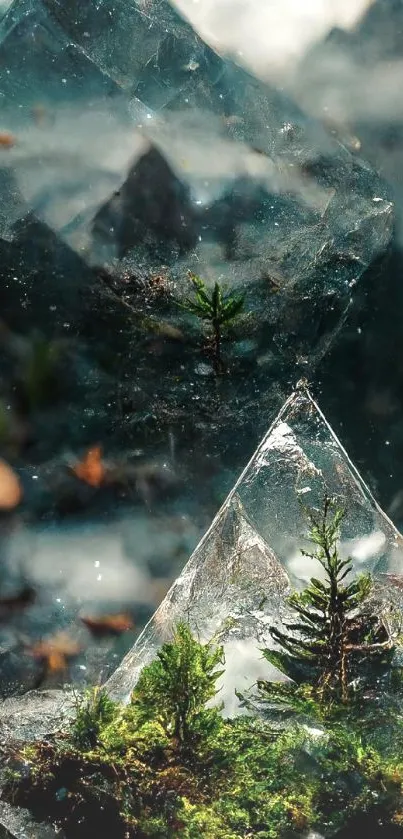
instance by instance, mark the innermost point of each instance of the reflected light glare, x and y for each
(270, 34)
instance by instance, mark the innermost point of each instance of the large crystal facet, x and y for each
(236, 580)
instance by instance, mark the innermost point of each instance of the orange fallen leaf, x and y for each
(55, 652)
(7, 140)
(108, 625)
(55, 661)
(10, 487)
(91, 468)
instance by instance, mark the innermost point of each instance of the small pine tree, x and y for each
(217, 308)
(337, 646)
(175, 687)
(94, 711)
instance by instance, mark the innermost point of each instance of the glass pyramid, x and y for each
(234, 584)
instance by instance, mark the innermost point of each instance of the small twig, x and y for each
(382, 645)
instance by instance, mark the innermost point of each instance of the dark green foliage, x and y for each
(38, 372)
(306, 780)
(95, 710)
(257, 785)
(176, 686)
(213, 307)
(145, 766)
(335, 649)
(217, 308)
(167, 767)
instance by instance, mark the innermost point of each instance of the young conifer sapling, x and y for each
(219, 309)
(179, 682)
(336, 647)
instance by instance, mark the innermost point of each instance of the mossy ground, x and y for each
(115, 774)
(324, 752)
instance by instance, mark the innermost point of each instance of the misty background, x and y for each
(342, 63)
(269, 36)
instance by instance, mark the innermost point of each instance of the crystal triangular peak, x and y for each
(301, 459)
(236, 579)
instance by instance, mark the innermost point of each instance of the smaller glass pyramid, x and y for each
(234, 584)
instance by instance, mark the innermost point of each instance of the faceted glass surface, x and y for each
(133, 153)
(236, 580)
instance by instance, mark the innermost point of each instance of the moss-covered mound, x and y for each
(322, 753)
(135, 772)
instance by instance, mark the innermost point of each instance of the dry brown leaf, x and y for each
(108, 624)
(55, 652)
(10, 487)
(91, 468)
(7, 140)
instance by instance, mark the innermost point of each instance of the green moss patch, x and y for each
(321, 752)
